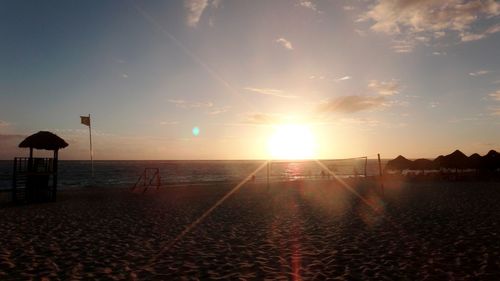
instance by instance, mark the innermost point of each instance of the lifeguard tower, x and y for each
(35, 179)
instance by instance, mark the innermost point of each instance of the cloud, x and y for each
(285, 43)
(361, 121)
(219, 110)
(259, 118)
(9, 144)
(194, 9)
(4, 123)
(185, 104)
(393, 16)
(403, 46)
(433, 104)
(343, 78)
(467, 36)
(495, 111)
(309, 5)
(433, 18)
(439, 53)
(351, 104)
(495, 95)
(439, 34)
(389, 88)
(479, 73)
(270, 92)
(216, 3)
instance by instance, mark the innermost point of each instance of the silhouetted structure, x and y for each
(35, 179)
(423, 164)
(482, 165)
(456, 160)
(399, 163)
(491, 161)
(149, 178)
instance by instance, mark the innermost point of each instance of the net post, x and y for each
(380, 172)
(366, 165)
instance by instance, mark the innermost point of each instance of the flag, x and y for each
(85, 120)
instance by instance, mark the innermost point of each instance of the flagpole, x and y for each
(91, 151)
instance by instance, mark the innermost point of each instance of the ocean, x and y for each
(126, 173)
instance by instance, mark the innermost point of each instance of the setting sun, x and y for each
(292, 141)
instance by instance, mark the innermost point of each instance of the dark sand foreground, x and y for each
(302, 230)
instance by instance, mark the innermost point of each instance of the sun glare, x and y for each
(292, 141)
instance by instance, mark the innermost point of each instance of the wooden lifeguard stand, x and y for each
(35, 179)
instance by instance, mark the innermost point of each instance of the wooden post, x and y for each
(91, 150)
(30, 160)
(14, 182)
(380, 172)
(54, 175)
(366, 165)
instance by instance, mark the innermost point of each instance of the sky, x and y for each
(413, 77)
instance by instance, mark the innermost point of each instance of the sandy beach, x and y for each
(304, 230)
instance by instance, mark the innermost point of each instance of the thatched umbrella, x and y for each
(43, 140)
(457, 160)
(399, 163)
(491, 160)
(439, 161)
(475, 161)
(423, 164)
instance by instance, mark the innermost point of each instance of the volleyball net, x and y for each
(310, 169)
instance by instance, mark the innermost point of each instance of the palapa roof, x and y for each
(457, 159)
(399, 163)
(44, 140)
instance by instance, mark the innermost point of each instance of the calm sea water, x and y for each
(126, 173)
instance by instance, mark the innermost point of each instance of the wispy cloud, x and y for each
(194, 9)
(270, 92)
(351, 104)
(431, 18)
(403, 46)
(361, 121)
(309, 5)
(385, 88)
(219, 110)
(344, 78)
(186, 104)
(495, 111)
(479, 73)
(469, 36)
(4, 123)
(9, 144)
(285, 43)
(259, 118)
(439, 53)
(433, 104)
(495, 95)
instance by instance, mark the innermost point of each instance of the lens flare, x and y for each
(196, 131)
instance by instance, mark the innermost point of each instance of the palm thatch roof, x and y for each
(475, 161)
(457, 159)
(44, 140)
(491, 160)
(399, 163)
